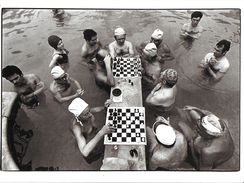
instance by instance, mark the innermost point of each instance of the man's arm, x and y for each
(218, 75)
(110, 77)
(40, 86)
(167, 55)
(86, 148)
(155, 99)
(67, 98)
(131, 51)
(53, 61)
(111, 50)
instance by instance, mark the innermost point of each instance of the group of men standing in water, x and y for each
(205, 134)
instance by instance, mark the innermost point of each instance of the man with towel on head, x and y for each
(61, 86)
(208, 137)
(84, 124)
(163, 50)
(167, 147)
(120, 47)
(151, 66)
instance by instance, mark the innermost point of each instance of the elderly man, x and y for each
(192, 30)
(83, 125)
(120, 47)
(163, 50)
(216, 64)
(151, 66)
(163, 95)
(61, 86)
(103, 72)
(91, 46)
(29, 87)
(167, 147)
(208, 137)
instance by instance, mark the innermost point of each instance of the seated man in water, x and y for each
(163, 95)
(60, 54)
(216, 64)
(208, 137)
(61, 86)
(91, 47)
(120, 47)
(103, 71)
(192, 30)
(29, 87)
(151, 66)
(167, 147)
(84, 124)
(163, 51)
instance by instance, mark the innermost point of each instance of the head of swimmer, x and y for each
(14, 75)
(195, 18)
(90, 36)
(221, 48)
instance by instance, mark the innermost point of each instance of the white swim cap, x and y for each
(119, 31)
(77, 106)
(211, 124)
(165, 134)
(56, 72)
(157, 34)
(150, 49)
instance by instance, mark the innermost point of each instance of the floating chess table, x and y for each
(129, 123)
(126, 67)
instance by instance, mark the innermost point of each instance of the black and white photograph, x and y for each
(119, 90)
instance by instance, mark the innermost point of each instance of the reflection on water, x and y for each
(25, 34)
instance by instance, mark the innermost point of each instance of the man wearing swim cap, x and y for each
(163, 95)
(208, 137)
(29, 87)
(167, 147)
(151, 66)
(61, 87)
(163, 51)
(83, 125)
(120, 47)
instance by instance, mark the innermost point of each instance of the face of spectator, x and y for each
(93, 41)
(120, 39)
(195, 21)
(60, 45)
(218, 51)
(157, 42)
(16, 79)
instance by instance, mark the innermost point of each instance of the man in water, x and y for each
(103, 71)
(61, 86)
(216, 64)
(163, 95)
(29, 87)
(83, 125)
(208, 137)
(192, 30)
(120, 47)
(151, 66)
(167, 147)
(91, 47)
(163, 51)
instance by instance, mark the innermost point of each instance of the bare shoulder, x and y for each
(32, 77)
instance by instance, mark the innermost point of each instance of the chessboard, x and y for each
(126, 67)
(130, 126)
